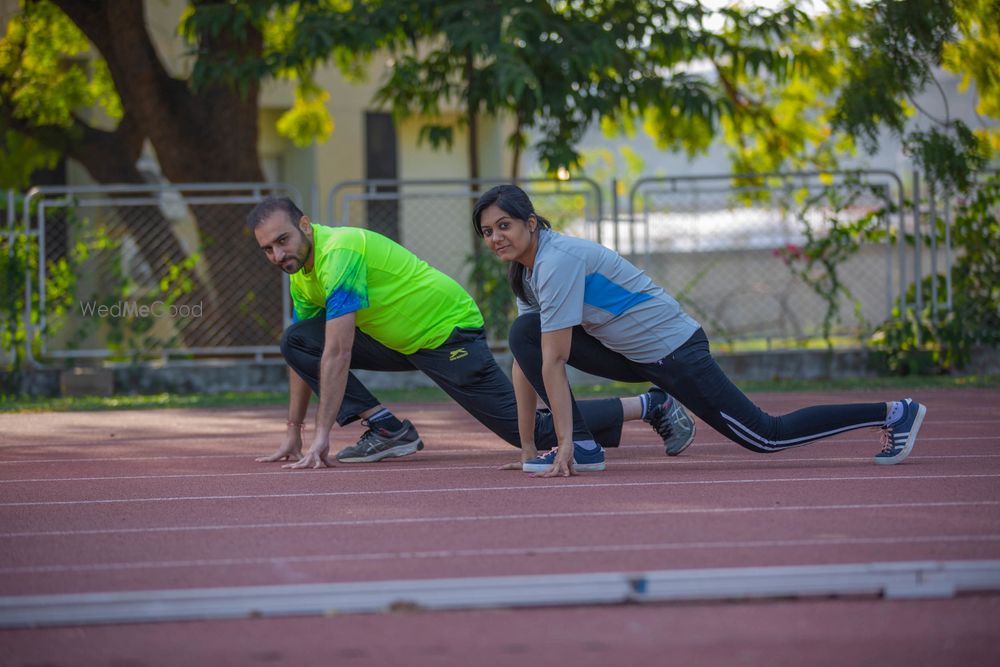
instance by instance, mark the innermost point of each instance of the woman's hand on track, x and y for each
(562, 466)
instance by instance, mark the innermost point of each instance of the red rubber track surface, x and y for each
(160, 499)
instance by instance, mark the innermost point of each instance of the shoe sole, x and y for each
(579, 467)
(910, 440)
(395, 452)
(678, 450)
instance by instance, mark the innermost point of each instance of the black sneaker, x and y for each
(898, 437)
(672, 422)
(378, 443)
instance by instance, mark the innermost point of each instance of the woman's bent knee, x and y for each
(525, 330)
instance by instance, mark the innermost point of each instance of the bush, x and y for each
(974, 318)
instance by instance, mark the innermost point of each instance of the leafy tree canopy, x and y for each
(857, 72)
(555, 67)
(782, 87)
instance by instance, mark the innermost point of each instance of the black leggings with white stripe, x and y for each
(691, 375)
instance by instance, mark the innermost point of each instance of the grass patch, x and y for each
(229, 399)
(893, 386)
(775, 344)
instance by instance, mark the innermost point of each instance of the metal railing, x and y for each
(709, 239)
(134, 271)
(433, 217)
(715, 240)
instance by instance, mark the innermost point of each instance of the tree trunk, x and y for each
(472, 116)
(204, 136)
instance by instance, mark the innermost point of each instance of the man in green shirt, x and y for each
(363, 301)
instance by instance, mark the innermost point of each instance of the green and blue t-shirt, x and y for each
(397, 298)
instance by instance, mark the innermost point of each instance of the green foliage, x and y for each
(975, 55)
(949, 159)
(852, 73)
(15, 258)
(89, 272)
(912, 341)
(892, 57)
(946, 341)
(770, 75)
(489, 279)
(297, 37)
(18, 264)
(308, 120)
(45, 74)
(20, 157)
(557, 67)
(819, 260)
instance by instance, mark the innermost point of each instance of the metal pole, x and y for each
(888, 257)
(286, 302)
(932, 222)
(600, 215)
(917, 242)
(614, 212)
(901, 250)
(10, 222)
(41, 272)
(947, 249)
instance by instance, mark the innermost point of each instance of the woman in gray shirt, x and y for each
(583, 304)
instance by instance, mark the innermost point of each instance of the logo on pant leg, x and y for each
(455, 355)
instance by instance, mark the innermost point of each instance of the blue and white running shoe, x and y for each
(899, 436)
(584, 460)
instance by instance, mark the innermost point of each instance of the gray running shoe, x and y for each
(672, 422)
(898, 437)
(378, 443)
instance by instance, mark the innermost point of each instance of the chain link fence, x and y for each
(134, 272)
(766, 260)
(433, 219)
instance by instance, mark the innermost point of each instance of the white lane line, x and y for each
(504, 517)
(492, 451)
(529, 485)
(411, 466)
(497, 552)
(906, 580)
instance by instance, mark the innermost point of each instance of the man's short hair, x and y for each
(271, 205)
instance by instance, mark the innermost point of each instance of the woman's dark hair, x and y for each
(270, 205)
(513, 201)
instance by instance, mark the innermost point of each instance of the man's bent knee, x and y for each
(303, 336)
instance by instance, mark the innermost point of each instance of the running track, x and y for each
(172, 499)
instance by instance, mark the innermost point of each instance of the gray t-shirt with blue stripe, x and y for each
(575, 281)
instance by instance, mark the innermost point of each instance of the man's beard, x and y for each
(294, 264)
